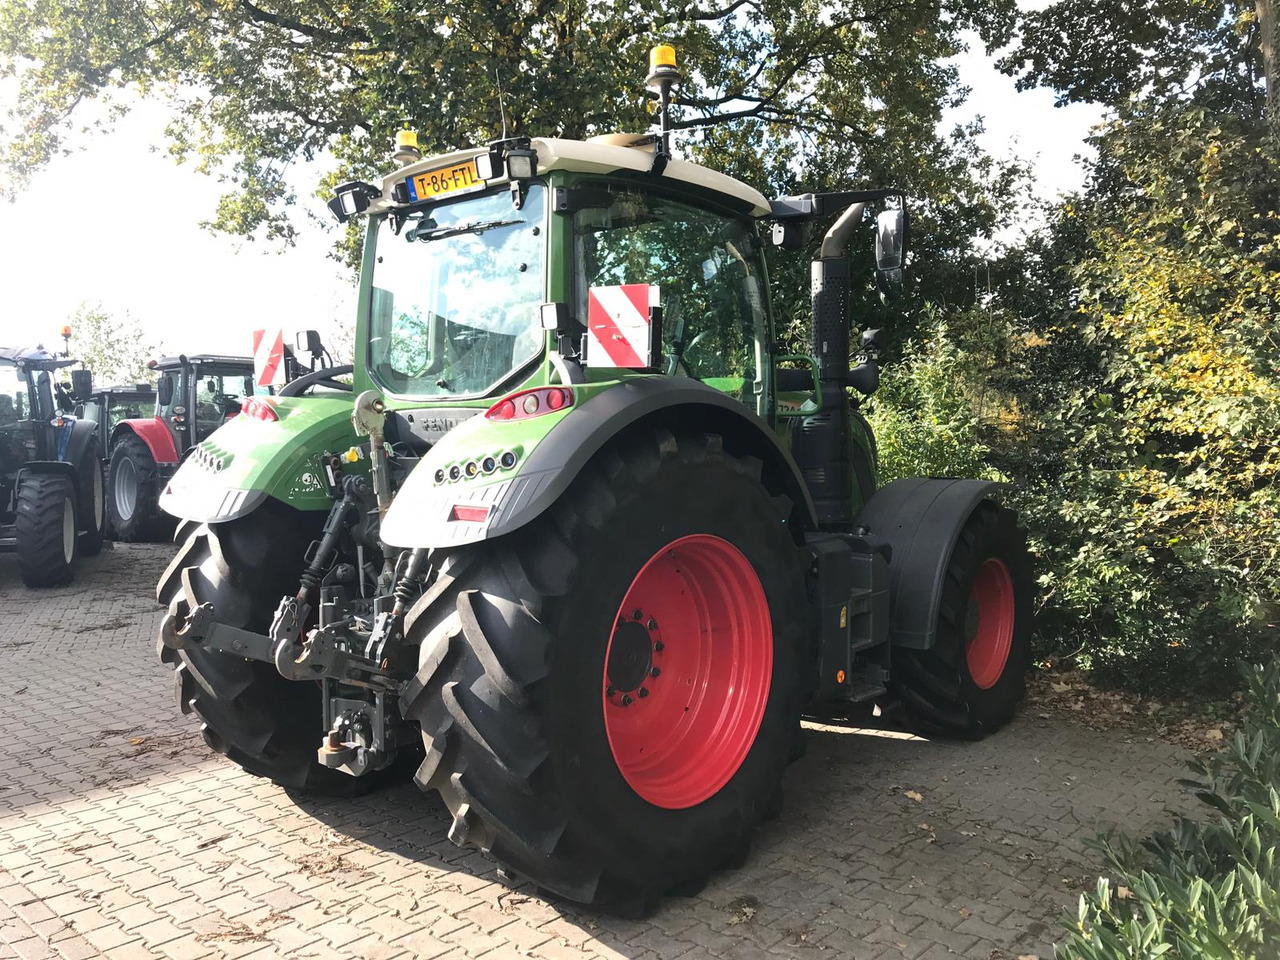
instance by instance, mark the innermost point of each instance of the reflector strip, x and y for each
(618, 325)
(471, 514)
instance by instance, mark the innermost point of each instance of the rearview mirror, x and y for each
(309, 340)
(81, 384)
(891, 239)
(891, 252)
(164, 391)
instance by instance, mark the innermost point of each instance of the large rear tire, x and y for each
(132, 494)
(669, 568)
(45, 528)
(268, 725)
(971, 681)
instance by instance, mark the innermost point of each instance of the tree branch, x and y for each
(258, 15)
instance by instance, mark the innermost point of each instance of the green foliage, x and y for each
(1150, 464)
(114, 348)
(775, 88)
(1205, 889)
(930, 415)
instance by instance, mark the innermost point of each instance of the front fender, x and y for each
(247, 460)
(154, 433)
(921, 519)
(551, 451)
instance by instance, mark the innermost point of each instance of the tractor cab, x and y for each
(195, 395)
(109, 405)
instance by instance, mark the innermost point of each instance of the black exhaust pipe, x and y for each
(822, 443)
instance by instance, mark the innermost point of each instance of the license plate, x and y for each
(457, 179)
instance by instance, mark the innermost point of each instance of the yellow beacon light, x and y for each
(406, 146)
(663, 55)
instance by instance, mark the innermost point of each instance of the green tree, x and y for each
(114, 348)
(780, 93)
(1149, 357)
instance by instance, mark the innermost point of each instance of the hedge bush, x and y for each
(1204, 890)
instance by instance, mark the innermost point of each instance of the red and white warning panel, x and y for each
(268, 357)
(618, 326)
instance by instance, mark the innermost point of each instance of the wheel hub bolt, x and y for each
(644, 692)
(659, 647)
(608, 691)
(637, 614)
(655, 672)
(626, 699)
(652, 624)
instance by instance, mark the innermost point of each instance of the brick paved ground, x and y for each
(121, 834)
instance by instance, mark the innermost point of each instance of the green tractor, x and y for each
(51, 490)
(580, 544)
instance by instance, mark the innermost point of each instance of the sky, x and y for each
(134, 245)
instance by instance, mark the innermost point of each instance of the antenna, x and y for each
(502, 109)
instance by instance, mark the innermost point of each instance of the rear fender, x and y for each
(921, 519)
(425, 514)
(56, 468)
(83, 433)
(153, 433)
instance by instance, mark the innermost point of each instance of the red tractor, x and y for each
(194, 396)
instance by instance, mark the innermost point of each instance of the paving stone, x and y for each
(164, 848)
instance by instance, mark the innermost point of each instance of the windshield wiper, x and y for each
(440, 233)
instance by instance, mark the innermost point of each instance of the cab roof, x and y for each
(166, 363)
(37, 359)
(601, 155)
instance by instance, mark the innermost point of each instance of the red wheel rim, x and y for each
(991, 637)
(687, 671)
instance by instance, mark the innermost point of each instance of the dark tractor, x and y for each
(194, 396)
(51, 489)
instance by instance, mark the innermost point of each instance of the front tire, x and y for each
(530, 643)
(132, 496)
(268, 725)
(971, 681)
(46, 530)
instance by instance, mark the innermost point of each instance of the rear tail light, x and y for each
(462, 511)
(259, 409)
(531, 403)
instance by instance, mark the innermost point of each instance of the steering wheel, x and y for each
(319, 378)
(676, 360)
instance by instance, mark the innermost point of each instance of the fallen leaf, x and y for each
(964, 914)
(1060, 687)
(967, 833)
(1124, 893)
(1214, 734)
(916, 796)
(137, 741)
(1027, 956)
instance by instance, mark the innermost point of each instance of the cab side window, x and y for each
(707, 268)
